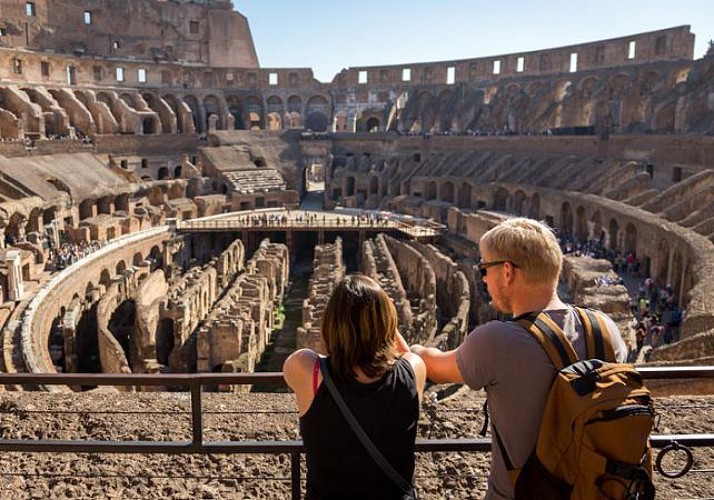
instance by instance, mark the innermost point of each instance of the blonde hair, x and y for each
(530, 245)
(359, 327)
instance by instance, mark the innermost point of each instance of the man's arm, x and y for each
(441, 367)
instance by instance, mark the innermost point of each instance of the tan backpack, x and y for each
(593, 441)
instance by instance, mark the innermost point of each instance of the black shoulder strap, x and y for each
(551, 337)
(599, 343)
(359, 431)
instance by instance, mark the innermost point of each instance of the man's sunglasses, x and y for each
(483, 266)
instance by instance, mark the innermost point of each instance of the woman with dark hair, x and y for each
(381, 382)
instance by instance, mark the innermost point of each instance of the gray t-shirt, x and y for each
(516, 372)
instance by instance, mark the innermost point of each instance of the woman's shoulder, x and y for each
(298, 364)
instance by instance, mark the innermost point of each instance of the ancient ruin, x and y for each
(108, 151)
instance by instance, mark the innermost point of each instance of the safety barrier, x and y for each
(197, 445)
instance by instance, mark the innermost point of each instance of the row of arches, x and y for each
(668, 262)
(633, 101)
(40, 113)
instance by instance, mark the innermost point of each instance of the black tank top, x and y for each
(338, 465)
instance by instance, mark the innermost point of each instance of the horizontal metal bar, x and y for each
(676, 372)
(190, 379)
(143, 379)
(660, 441)
(275, 447)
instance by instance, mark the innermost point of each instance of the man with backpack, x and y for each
(517, 361)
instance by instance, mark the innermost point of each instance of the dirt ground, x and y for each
(107, 415)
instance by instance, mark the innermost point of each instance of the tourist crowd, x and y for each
(69, 253)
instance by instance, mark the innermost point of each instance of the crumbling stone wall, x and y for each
(111, 354)
(453, 297)
(151, 292)
(189, 300)
(328, 270)
(236, 332)
(378, 264)
(419, 281)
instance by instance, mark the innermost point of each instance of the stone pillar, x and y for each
(13, 261)
(2, 236)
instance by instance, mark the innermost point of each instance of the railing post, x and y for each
(196, 413)
(295, 475)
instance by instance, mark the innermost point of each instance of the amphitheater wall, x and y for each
(151, 291)
(111, 354)
(77, 281)
(663, 45)
(419, 280)
(689, 260)
(695, 347)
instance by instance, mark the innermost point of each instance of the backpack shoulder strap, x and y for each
(597, 335)
(551, 337)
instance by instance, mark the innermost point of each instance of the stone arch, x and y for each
(176, 106)
(664, 118)
(350, 186)
(105, 278)
(129, 100)
(157, 260)
(465, 195)
(581, 225)
(165, 340)
(33, 221)
(275, 105)
(373, 124)
(120, 268)
(317, 121)
(447, 192)
(587, 98)
(534, 208)
(235, 108)
(137, 259)
(567, 220)
(212, 107)
(193, 105)
(500, 200)
(295, 104)
(613, 233)
(427, 110)
(374, 185)
(662, 270)
(104, 205)
(444, 111)
(254, 107)
(630, 238)
(276, 111)
(86, 209)
(598, 232)
(519, 202)
(163, 173)
(431, 190)
(317, 111)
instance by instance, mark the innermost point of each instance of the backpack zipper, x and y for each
(633, 410)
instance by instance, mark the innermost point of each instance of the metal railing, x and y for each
(318, 221)
(197, 445)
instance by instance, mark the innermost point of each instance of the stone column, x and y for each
(13, 261)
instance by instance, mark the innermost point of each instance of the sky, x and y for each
(329, 35)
